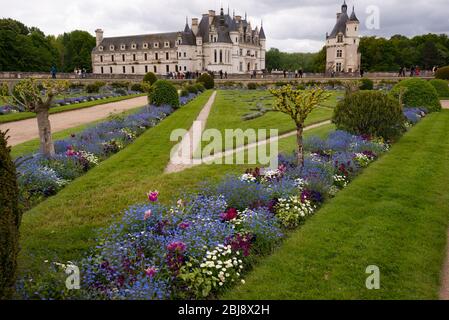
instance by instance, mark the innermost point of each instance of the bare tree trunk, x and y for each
(43, 123)
(300, 147)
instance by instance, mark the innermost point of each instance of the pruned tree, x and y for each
(10, 218)
(298, 104)
(38, 97)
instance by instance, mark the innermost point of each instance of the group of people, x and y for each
(414, 71)
(183, 75)
(80, 73)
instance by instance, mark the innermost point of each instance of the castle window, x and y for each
(110, 69)
(123, 47)
(355, 28)
(102, 70)
(112, 48)
(221, 56)
(146, 69)
(185, 54)
(146, 56)
(257, 54)
(338, 67)
(100, 48)
(340, 38)
(101, 58)
(134, 57)
(167, 56)
(124, 69)
(112, 58)
(167, 68)
(156, 56)
(167, 44)
(155, 69)
(123, 57)
(133, 70)
(339, 53)
(145, 45)
(156, 45)
(134, 46)
(215, 56)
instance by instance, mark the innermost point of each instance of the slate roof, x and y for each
(139, 41)
(340, 26)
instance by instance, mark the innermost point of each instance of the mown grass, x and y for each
(394, 216)
(232, 105)
(29, 115)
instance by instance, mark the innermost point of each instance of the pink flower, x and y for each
(151, 272)
(70, 152)
(153, 196)
(147, 215)
(177, 246)
(229, 215)
(184, 225)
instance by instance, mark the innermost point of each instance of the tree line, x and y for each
(378, 54)
(25, 49)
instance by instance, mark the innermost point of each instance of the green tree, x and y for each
(76, 50)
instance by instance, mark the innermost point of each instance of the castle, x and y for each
(216, 43)
(342, 45)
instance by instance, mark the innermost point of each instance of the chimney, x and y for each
(99, 35)
(195, 25)
(211, 16)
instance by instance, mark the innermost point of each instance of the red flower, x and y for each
(229, 215)
(151, 272)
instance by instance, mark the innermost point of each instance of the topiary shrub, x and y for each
(418, 93)
(207, 80)
(10, 218)
(370, 113)
(441, 86)
(120, 85)
(251, 86)
(366, 84)
(164, 93)
(137, 87)
(442, 73)
(150, 77)
(4, 91)
(94, 87)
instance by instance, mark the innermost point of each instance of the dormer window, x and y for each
(112, 48)
(123, 47)
(134, 46)
(167, 44)
(156, 44)
(145, 45)
(100, 48)
(179, 41)
(340, 38)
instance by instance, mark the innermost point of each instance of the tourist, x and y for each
(301, 73)
(255, 74)
(53, 72)
(362, 72)
(221, 74)
(412, 71)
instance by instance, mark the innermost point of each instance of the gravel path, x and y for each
(25, 130)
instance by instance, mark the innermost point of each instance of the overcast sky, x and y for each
(290, 25)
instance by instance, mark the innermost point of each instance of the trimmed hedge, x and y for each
(371, 113)
(95, 87)
(251, 86)
(419, 94)
(150, 77)
(164, 93)
(10, 218)
(442, 73)
(137, 87)
(207, 80)
(442, 87)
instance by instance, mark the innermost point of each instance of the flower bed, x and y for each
(204, 244)
(39, 177)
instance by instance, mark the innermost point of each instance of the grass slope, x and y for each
(395, 216)
(29, 115)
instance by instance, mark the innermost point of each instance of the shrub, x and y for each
(441, 86)
(370, 113)
(184, 93)
(164, 93)
(150, 77)
(443, 73)
(200, 87)
(366, 84)
(207, 80)
(137, 87)
(10, 217)
(121, 92)
(77, 85)
(95, 87)
(120, 85)
(4, 91)
(251, 86)
(419, 93)
(192, 89)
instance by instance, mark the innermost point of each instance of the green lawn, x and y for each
(29, 115)
(395, 216)
(232, 105)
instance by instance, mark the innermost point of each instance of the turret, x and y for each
(99, 36)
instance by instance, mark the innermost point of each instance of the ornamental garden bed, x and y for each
(204, 243)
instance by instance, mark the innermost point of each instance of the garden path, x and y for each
(445, 104)
(25, 130)
(178, 168)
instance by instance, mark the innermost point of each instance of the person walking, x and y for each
(412, 71)
(53, 72)
(362, 72)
